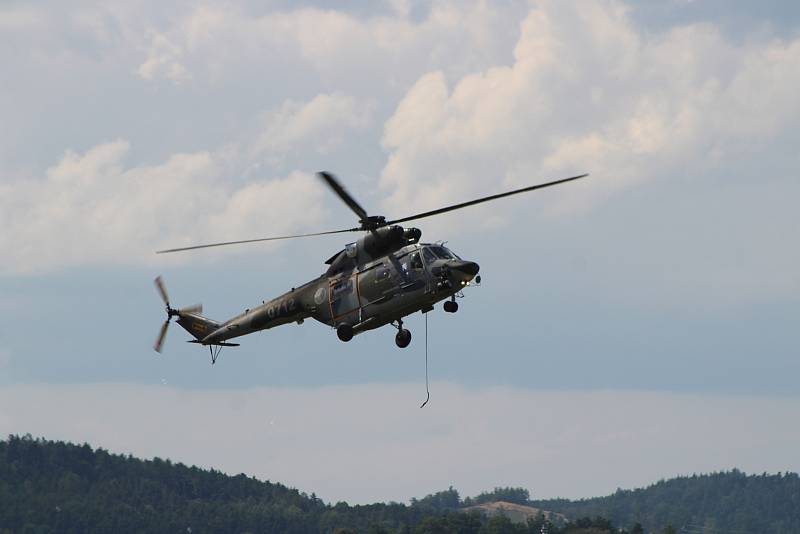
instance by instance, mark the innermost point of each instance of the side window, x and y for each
(404, 259)
(416, 261)
(428, 255)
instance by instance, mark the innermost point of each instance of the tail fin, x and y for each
(197, 325)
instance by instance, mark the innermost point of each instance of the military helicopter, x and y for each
(379, 279)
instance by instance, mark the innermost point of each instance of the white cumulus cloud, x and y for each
(164, 58)
(321, 124)
(92, 208)
(95, 207)
(589, 91)
(213, 42)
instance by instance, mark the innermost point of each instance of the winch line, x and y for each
(427, 389)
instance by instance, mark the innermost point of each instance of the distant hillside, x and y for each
(730, 502)
(49, 487)
(56, 487)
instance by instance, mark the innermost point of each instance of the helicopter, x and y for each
(382, 277)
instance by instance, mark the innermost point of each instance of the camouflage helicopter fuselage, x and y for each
(381, 278)
(384, 276)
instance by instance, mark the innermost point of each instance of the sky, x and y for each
(636, 325)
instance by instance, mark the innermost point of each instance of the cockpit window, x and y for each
(428, 255)
(442, 252)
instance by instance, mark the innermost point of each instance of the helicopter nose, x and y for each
(467, 267)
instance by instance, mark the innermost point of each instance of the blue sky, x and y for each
(669, 274)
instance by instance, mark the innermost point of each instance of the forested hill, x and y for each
(48, 486)
(715, 504)
(56, 487)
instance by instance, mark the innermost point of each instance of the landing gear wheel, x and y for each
(345, 332)
(451, 306)
(403, 338)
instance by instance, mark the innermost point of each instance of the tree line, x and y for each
(53, 486)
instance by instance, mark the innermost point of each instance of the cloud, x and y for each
(372, 442)
(164, 59)
(372, 50)
(92, 208)
(19, 18)
(95, 208)
(589, 91)
(476, 97)
(321, 124)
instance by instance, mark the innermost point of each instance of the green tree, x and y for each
(442, 500)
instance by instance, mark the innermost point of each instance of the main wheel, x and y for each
(451, 306)
(345, 332)
(403, 338)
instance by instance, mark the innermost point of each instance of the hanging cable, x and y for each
(427, 389)
(215, 353)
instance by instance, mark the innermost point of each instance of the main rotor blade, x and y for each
(161, 335)
(484, 199)
(339, 189)
(162, 290)
(256, 240)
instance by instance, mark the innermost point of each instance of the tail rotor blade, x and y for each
(197, 308)
(161, 335)
(162, 290)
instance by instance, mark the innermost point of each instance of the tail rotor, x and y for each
(161, 335)
(171, 312)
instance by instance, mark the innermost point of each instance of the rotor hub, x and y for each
(373, 222)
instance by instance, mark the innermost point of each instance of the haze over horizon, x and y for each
(636, 325)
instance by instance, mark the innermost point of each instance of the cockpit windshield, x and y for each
(442, 253)
(429, 256)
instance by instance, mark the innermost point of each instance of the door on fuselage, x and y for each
(344, 300)
(377, 283)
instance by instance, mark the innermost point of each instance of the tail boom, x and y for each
(197, 325)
